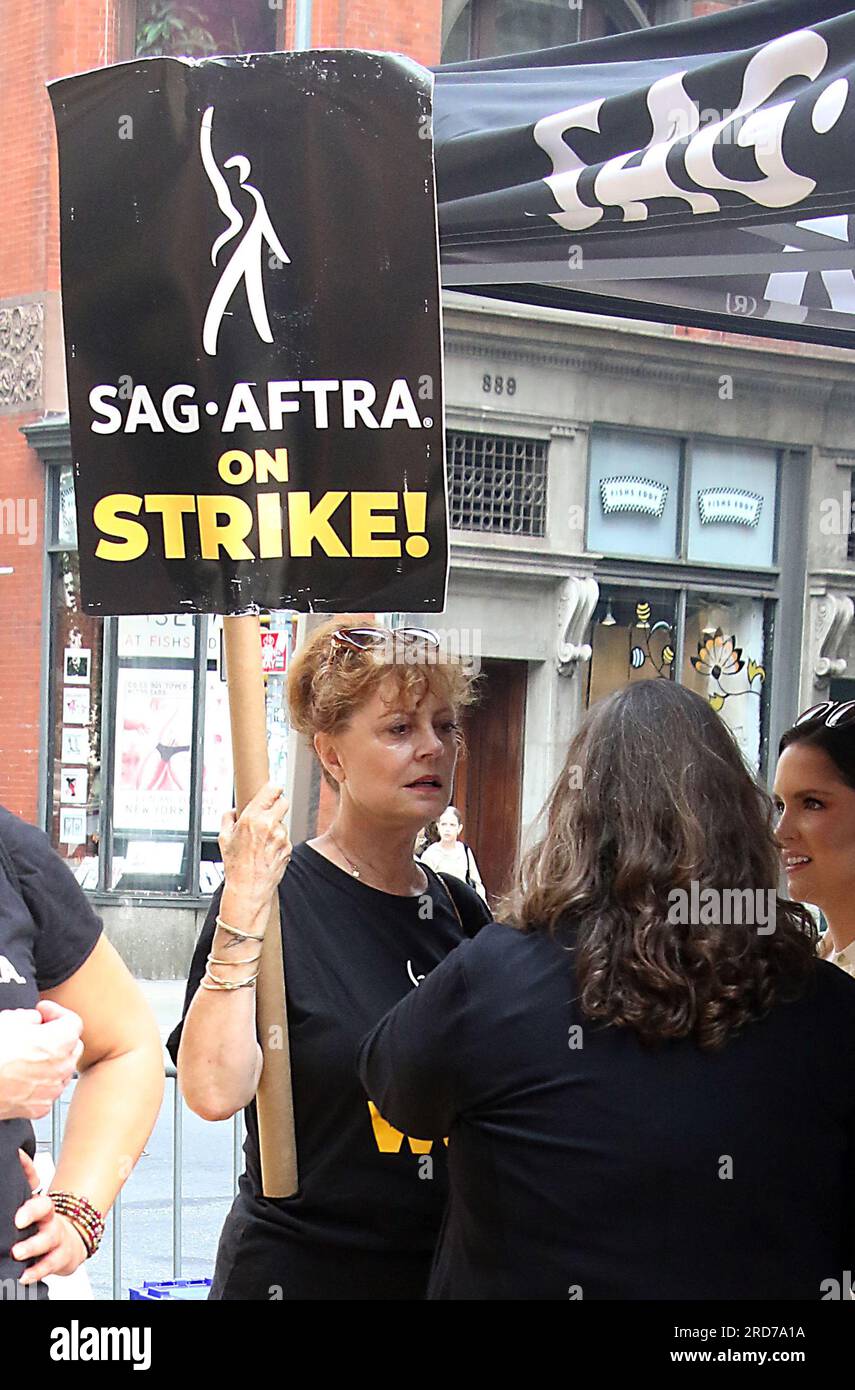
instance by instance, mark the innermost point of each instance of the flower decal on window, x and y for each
(654, 648)
(718, 656)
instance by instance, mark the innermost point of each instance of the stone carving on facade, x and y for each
(832, 618)
(22, 337)
(575, 610)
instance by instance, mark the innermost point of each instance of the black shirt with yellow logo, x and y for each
(365, 1220)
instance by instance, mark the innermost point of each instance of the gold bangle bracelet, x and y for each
(241, 935)
(219, 983)
(217, 960)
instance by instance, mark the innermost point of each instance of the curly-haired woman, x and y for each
(362, 924)
(640, 1079)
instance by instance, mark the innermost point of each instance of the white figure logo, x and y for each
(248, 253)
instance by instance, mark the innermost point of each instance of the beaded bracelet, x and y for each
(86, 1219)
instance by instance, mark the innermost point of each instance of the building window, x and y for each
(659, 497)
(634, 494)
(488, 28)
(724, 648)
(633, 639)
(717, 646)
(497, 483)
(732, 503)
(206, 27)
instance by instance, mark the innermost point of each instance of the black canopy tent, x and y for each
(699, 173)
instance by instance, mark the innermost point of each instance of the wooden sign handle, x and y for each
(275, 1104)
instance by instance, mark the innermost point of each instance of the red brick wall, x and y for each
(38, 41)
(400, 26)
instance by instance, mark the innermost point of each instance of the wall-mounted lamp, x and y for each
(609, 620)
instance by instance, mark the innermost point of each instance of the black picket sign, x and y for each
(253, 343)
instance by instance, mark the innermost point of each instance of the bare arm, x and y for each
(113, 1110)
(117, 1098)
(219, 1060)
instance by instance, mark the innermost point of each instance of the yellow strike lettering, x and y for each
(229, 536)
(231, 460)
(131, 537)
(172, 507)
(269, 525)
(307, 524)
(273, 465)
(365, 524)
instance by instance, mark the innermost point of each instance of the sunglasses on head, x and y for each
(829, 712)
(366, 639)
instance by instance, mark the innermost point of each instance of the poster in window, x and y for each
(73, 786)
(75, 705)
(75, 745)
(218, 772)
(154, 722)
(72, 827)
(76, 665)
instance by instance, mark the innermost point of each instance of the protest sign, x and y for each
(251, 305)
(253, 346)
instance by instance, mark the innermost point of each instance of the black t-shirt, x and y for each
(367, 1214)
(583, 1164)
(44, 938)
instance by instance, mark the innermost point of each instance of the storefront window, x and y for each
(640, 635)
(152, 760)
(632, 640)
(724, 655)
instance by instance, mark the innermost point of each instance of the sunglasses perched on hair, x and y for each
(829, 712)
(366, 639)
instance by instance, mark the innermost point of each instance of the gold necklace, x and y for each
(354, 868)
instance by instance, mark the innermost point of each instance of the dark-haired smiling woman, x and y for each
(815, 797)
(637, 1105)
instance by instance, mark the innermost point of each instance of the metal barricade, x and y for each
(178, 1107)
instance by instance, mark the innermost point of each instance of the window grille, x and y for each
(497, 483)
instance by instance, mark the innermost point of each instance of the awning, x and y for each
(701, 173)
